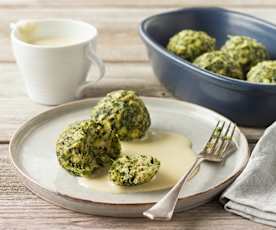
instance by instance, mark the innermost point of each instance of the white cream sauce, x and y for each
(174, 152)
(28, 33)
(54, 41)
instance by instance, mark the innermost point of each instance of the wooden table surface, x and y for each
(127, 67)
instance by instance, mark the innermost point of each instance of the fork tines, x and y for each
(220, 139)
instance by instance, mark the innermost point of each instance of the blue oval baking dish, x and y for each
(247, 104)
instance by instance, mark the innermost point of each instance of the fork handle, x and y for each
(163, 209)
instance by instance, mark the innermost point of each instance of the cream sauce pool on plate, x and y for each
(172, 149)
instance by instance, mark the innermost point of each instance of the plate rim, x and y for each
(23, 176)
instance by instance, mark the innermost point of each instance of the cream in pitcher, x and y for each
(54, 57)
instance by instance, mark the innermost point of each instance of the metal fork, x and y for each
(214, 150)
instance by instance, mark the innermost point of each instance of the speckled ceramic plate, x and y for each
(32, 152)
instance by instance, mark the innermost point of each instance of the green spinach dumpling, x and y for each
(264, 72)
(246, 51)
(124, 112)
(190, 44)
(221, 63)
(133, 169)
(85, 146)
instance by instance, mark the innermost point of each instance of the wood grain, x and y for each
(118, 27)
(20, 209)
